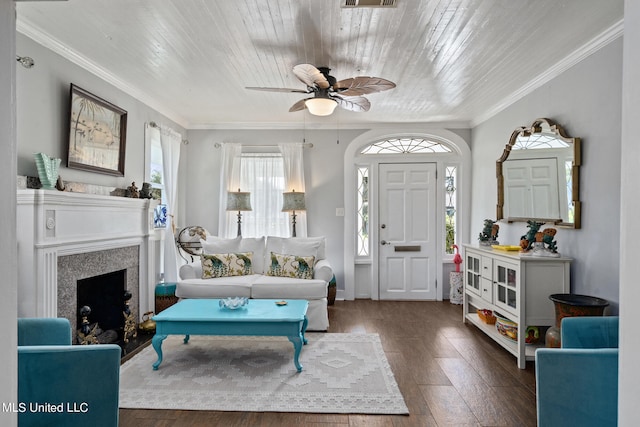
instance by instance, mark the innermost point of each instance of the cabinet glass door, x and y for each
(473, 273)
(506, 290)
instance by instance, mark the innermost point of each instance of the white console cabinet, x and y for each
(515, 286)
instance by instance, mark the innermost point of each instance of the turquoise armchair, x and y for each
(60, 384)
(577, 385)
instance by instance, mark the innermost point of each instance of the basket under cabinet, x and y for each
(515, 286)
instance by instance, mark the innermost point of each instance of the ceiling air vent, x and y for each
(370, 3)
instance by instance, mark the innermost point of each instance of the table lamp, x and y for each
(239, 201)
(292, 202)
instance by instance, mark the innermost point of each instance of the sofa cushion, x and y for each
(226, 264)
(286, 265)
(286, 287)
(221, 287)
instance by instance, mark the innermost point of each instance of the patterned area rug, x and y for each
(342, 373)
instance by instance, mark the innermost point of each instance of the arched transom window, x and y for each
(406, 146)
(538, 140)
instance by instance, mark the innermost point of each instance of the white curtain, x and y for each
(170, 141)
(229, 181)
(263, 175)
(294, 179)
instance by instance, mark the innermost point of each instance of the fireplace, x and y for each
(95, 279)
(104, 296)
(65, 238)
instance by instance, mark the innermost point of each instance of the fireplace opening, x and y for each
(104, 295)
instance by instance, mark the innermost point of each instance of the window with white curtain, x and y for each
(154, 170)
(262, 174)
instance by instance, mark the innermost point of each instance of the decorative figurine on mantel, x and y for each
(489, 235)
(539, 243)
(132, 191)
(145, 192)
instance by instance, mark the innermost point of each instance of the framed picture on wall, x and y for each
(97, 134)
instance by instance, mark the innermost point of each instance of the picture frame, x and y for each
(97, 133)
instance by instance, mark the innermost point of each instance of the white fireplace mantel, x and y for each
(55, 223)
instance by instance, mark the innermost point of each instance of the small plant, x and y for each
(489, 232)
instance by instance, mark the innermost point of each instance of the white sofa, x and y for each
(260, 284)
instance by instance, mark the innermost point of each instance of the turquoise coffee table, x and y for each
(262, 317)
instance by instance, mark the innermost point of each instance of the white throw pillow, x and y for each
(257, 246)
(301, 246)
(217, 245)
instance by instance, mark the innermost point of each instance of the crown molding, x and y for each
(26, 28)
(589, 48)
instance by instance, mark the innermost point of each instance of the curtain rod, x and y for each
(304, 144)
(157, 126)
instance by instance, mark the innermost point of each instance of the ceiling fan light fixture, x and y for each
(321, 106)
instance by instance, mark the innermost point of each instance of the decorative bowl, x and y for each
(233, 303)
(506, 328)
(486, 316)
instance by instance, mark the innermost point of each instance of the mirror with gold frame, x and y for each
(538, 176)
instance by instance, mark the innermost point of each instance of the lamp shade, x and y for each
(321, 106)
(293, 201)
(238, 201)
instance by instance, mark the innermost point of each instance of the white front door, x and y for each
(407, 234)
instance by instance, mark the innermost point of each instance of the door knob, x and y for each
(384, 242)
(383, 226)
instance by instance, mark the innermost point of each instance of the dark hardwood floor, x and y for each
(449, 373)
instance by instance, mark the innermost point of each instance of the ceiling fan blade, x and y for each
(311, 76)
(358, 86)
(278, 89)
(359, 104)
(298, 106)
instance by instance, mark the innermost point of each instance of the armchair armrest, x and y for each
(44, 331)
(323, 270)
(577, 387)
(83, 379)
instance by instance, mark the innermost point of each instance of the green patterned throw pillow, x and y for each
(225, 265)
(300, 267)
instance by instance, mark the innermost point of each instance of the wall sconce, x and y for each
(239, 201)
(292, 202)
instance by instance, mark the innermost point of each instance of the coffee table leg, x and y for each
(304, 329)
(297, 346)
(156, 342)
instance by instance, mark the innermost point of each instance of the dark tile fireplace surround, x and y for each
(98, 280)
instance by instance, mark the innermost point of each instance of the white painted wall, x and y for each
(8, 248)
(629, 376)
(586, 101)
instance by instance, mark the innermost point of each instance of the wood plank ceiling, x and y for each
(454, 61)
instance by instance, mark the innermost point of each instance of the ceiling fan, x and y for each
(329, 93)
